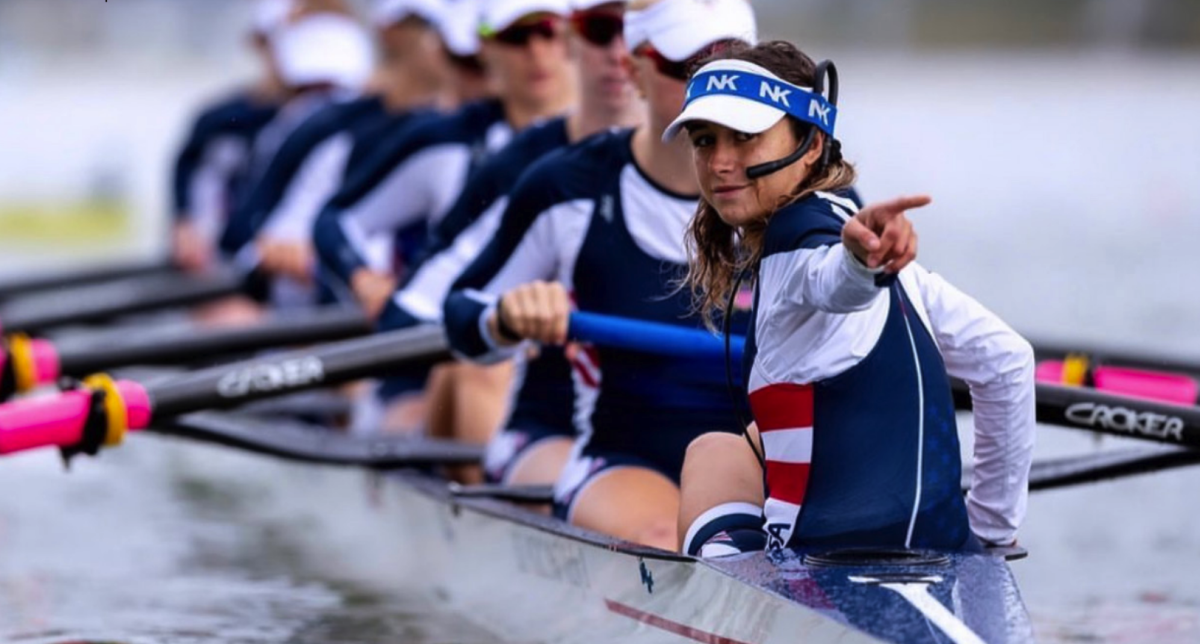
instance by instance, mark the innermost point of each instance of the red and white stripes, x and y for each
(784, 414)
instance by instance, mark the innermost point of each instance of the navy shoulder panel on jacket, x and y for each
(808, 223)
(464, 126)
(270, 189)
(369, 136)
(495, 177)
(573, 172)
(238, 115)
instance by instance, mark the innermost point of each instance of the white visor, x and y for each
(498, 15)
(390, 12)
(680, 28)
(734, 112)
(324, 48)
(459, 27)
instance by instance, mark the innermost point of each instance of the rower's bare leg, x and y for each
(631, 503)
(721, 476)
(481, 395)
(541, 463)
(478, 398)
(405, 416)
(438, 420)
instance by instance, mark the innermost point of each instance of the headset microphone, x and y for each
(825, 68)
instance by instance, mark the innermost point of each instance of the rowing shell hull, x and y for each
(530, 578)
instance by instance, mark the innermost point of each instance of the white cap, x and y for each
(584, 5)
(390, 12)
(680, 28)
(459, 27)
(324, 48)
(269, 15)
(747, 97)
(498, 15)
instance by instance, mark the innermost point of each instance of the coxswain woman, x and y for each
(851, 347)
(601, 225)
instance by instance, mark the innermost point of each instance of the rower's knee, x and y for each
(710, 446)
(719, 452)
(659, 534)
(718, 470)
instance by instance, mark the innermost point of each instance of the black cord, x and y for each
(734, 398)
(95, 430)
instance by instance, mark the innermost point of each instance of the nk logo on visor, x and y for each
(797, 101)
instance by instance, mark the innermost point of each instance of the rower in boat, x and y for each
(601, 224)
(272, 229)
(410, 183)
(850, 345)
(536, 434)
(323, 57)
(211, 165)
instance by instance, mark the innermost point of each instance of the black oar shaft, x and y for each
(1096, 411)
(103, 301)
(187, 345)
(297, 441)
(331, 364)
(1064, 472)
(1118, 415)
(79, 277)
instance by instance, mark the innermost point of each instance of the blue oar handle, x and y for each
(652, 337)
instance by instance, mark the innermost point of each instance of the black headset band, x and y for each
(825, 69)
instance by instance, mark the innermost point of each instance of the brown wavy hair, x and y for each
(717, 253)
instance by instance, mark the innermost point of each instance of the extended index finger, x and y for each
(893, 207)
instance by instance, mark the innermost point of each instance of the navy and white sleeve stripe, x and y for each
(316, 180)
(474, 218)
(521, 250)
(422, 296)
(402, 182)
(272, 187)
(236, 118)
(803, 256)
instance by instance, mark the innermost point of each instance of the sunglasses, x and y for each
(520, 34)
(596, 27)
(679, 70)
